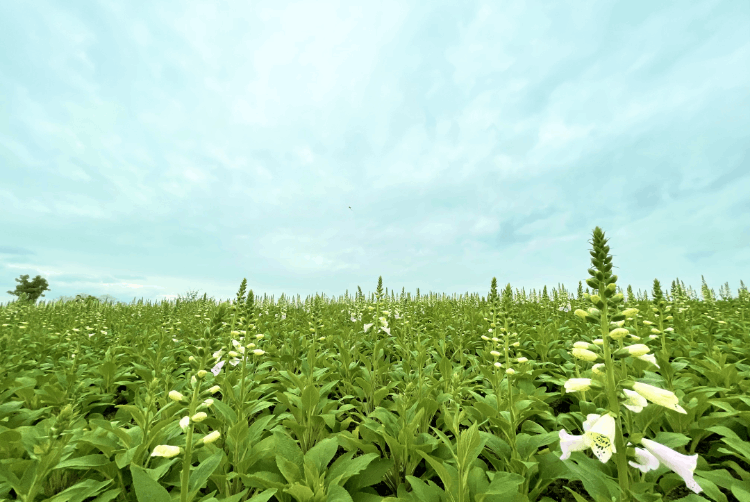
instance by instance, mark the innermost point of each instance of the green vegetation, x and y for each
(597, 396)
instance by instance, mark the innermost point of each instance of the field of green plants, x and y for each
(603, 396)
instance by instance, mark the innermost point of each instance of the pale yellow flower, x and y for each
(166, 451)
(585, 355)
(210, 438)
(659, 396)
(175, 396)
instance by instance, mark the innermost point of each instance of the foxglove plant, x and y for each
(603, 434)
(187, 424)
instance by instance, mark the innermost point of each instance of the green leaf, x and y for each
(300, 493)
(146, 489)
(81, 491)
(351, 468)
(505, 484)
(425, 492)
(288, 469)
(310, 398)
(337, 493)
(448, 474)
(85, 462)
(371, 475)
(224, 411)
(201, 473)
(322, 453)
(263, 496)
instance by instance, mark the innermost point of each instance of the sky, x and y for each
(148, 149)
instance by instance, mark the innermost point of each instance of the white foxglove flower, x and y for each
(199, 417)
(522, 360)
(214, 389)
(259, 352)
(683, 465)
(495, 353)
(166, 451)
(634, 401)
(184, 422)
(510, 371)
(649, 358)
(658, 396)
(644, 461)
(216, 369)
(599, 369)
(599, 435)
(577, 384)
(581, 345)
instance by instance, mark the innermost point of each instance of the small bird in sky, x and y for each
(350, 207)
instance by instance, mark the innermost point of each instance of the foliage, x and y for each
(379, 397)
(30, 291)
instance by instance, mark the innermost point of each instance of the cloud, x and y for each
(152, 148)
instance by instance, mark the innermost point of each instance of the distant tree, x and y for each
(30, 291)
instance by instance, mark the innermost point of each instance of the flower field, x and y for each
(599, 396)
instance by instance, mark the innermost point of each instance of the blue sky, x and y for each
(151, 148)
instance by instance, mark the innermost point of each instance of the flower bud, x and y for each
(214, 389)
(175, 396)
(584, 355)
(210, 438)
(166, 451)
(618, 333)
(201, 374)
(634, 350)
(199, 417)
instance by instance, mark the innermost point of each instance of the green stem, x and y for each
(614, 407)
(187, 461)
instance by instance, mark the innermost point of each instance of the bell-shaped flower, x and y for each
(599, 435)
(184, 422)
(644, 461)
(577, 384)
(683, 465)
(649, 358)
(216, 369)
(634, 401)
(659, 396)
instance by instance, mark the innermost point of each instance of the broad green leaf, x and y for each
(322, 453)
(346, 470)
(337, 493)
(200, 474)
(85, 462)
(146, 489)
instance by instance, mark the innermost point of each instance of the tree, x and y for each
(30, 291)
